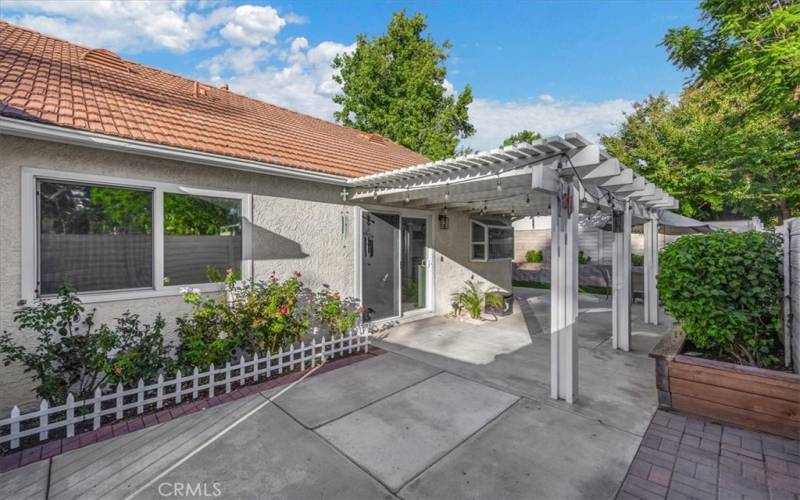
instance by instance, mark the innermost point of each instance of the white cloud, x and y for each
(133, 26)
(238, 60)
(495, 120)
(303, 83)
(253, 25)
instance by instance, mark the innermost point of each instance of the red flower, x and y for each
(336, 296)
(284, 310)
(297, 274)
(361, 309)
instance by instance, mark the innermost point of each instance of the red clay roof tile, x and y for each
(49, 80)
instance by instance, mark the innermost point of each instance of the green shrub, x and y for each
(637, 260)
(583, 259)
(475, 301)
(336, 313)
(725, 289)
(71, 355)
(534, 256)
(261, 316)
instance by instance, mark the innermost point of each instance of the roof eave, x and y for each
(55, 133)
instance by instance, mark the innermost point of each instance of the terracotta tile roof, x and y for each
(49, 80)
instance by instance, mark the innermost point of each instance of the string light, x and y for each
(499, 186)
(483, 209)
(408, 196)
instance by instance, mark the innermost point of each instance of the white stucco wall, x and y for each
(453, 265)
(297, 227)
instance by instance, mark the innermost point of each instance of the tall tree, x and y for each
(701, 151)
(394, 85)
(749, 47)
(731, 143)
(521, 136)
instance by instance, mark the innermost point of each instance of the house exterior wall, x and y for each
(453, 265)
(297, 226)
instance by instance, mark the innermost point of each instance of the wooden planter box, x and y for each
(755, 398)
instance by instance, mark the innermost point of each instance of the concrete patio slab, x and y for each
(513, 355)
(400, 436)
(29, 482)
(319, 400)
(532, 451)
(269, 455)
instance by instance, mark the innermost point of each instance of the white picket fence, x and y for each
(182, 387)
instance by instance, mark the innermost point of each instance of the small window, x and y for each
(94, 238)
(202, 238)
(491, 240)
(501, 242)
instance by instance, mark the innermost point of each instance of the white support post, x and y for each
(621, 281)
(564, 293)
(650, 271)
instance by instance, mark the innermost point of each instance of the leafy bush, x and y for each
(71, 355)
(534, 256)
(254, 317)
(475, 301)
(583, 259)
(336, 313)
(725, 290)
(637, 260)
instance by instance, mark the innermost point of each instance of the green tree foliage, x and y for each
(731, 142)
(713, 156)
(522, 136)
(393, 85)
(749, 47)
(186, 215)
(724, 289)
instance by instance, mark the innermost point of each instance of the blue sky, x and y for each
(551, 66)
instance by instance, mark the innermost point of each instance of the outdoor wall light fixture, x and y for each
(444, 221)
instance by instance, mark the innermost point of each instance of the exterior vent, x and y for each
(106, 59)
(376, 138)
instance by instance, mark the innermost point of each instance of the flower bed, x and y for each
(91, 375)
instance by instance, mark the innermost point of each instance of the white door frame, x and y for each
(430, 296)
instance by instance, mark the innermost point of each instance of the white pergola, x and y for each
(560, 176)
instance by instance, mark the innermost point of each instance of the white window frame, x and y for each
(30, 233)
(485, 242)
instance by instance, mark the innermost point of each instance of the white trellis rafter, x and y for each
(545, 176)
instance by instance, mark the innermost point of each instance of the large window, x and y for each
(202, 238)
(94, 237)
(491, 240)
(114, 238)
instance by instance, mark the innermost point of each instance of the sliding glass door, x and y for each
(413, 263)
(394, 264)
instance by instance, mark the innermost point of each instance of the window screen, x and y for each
(501, 242)
(202, 238)
(94, 237)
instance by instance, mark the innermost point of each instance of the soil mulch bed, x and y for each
(49, 449)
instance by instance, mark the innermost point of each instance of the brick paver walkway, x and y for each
(683, 456)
